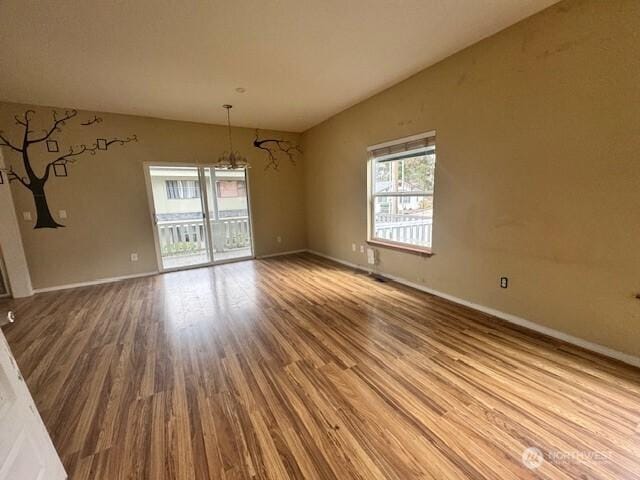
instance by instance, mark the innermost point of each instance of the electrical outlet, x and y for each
(279, 239)
(361, 248)
(504, 282)
(353, 247)
(134, 257)
(62, 214)
(26, 215)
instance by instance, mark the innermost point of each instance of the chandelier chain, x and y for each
(228, 107)
(231, 160)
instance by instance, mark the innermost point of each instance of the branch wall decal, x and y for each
(36, 183)
(92, 121)
(274, 146)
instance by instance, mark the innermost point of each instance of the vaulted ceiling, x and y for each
(300, 61)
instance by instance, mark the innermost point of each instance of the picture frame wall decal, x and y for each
(101, 143)
(60, 169)
(52, 146)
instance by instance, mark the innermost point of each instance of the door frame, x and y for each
(5, 279)
(205, 209)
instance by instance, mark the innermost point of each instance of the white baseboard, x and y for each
(344, 262)
(587, 345)
(280, 254)
(146, 274)
(594, 347)
(94, 282)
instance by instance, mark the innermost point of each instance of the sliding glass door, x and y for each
(201, 215)
(228, 213)
(179, 218)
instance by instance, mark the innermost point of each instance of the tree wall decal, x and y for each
(36, 183)
(273, 146)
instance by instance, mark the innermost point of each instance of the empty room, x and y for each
(321, 239)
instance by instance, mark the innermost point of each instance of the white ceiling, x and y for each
(301, 61)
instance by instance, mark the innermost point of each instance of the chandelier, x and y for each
(231, 160)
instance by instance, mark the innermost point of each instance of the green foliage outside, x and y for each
(238, 240)
(407, 175)
(179, 248)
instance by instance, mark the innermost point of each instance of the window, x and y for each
(183, 189)
(401, 183)
(231, 188)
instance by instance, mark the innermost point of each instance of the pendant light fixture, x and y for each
(231, 160)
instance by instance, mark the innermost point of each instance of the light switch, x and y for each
(63, 214)
(26, 215)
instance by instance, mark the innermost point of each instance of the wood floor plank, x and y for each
(298, 368)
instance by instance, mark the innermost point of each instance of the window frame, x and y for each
(372, 196)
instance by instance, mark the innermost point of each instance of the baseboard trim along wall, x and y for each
(280, 254)
(94, 282)
(587, 345)
(594, 347)
(138, 275)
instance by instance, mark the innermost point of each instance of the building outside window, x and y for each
(182, 189)
(231, 188)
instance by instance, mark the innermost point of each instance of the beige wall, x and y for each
(105, 195)
(538, 173)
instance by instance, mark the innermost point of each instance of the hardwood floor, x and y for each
(295, 367)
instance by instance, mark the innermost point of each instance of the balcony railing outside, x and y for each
(187, 237)
(412, 229)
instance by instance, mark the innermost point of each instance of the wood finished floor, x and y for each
(298, 368)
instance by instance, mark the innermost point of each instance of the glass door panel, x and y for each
(179, 216)
(228, 212)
